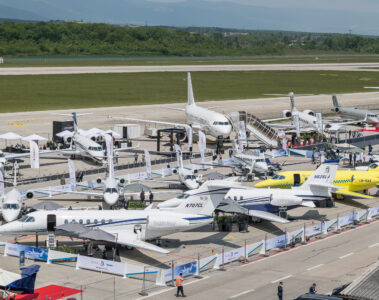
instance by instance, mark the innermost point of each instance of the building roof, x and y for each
(366, 286)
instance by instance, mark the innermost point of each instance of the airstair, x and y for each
(256, 127)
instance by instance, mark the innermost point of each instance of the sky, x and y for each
(341, 16)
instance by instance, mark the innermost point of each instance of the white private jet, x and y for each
(307, 118)
(11, 201)
(84, 146)
(132, 228)
(199, 118)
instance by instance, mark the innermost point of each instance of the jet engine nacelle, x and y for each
(67, 139)
(122, 181)
(285, 200)
(175, 171)
(287, 114)
(161, 223)
(99, 180)
(309, 112)
(29, 195)
(335, 109)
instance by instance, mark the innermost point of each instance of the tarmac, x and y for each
(328, 262)
(372, 67)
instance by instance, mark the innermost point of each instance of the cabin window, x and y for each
(95, 221)
(88, 221)
(80, 221)
(102, 221)
(110, 221)
(241, 198)
(235, 198)
(73, 221)
(66, 221)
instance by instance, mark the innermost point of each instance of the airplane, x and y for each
(244, 164)
(355, 113)
(131, 228)
(307, 118)
(199, 118)
(84, 146)
(187, 177)
(11, 201)
(350, 181)
(266, 203)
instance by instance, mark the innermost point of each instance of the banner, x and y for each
(100, 265)
(346, 220)
(34, 155)
(231, 255)
(133, 270)
(30, 252)
(189, 135)
(313, 230)
(251, 248)
(179, 155)
(283, 138)
(109, 144)
(187, 269)
(60, 256)
(148, 163)
(138, 176)
(374, 211)
(297, 124)
(276, 242)
(71, 171)
(206, 262)
(202, 143)
(320, 126)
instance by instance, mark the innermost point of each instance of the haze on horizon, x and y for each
(334, 16)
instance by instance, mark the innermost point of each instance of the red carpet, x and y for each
(50, 292)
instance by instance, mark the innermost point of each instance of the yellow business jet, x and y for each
(350, 181)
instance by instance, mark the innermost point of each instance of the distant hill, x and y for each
(10, 13)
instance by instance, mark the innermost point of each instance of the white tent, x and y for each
(113, 133)
(10, 136)
(7, 277)
(34, 137)
(65, 133)
(95, 132)
(337, 127)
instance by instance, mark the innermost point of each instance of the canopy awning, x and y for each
(34, 137)
(10, 136)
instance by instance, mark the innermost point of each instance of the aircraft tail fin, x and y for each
(205, 199)
(335, 101)
(322, 179)
(292, 99)
(190, 97)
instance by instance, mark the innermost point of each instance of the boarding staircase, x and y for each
(256, 127)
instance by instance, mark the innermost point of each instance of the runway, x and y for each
(329, 263)
(373, 67)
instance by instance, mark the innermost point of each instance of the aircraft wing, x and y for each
(69, 152)
(162, 181)
(85, 193)
(129, 238)
(267, 216)
(154, 122)
(27, 154)
(346, 192)
(282, 126)
(274, 120)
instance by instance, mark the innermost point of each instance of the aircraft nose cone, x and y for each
(10, 215)
(9, 227)
(110, 198)
(192, 184)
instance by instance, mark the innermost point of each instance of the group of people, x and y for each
(143, 196)
(312, 290)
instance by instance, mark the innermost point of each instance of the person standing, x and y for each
(354, 159)
(280, 290)
(142, 196)
(369, 149)
(151, 197)
(312, 289)
(179, 285)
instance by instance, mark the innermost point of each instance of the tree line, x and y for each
(70, 38)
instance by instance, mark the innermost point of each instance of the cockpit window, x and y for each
(373, 166)
(260, 160)
(111, 190)
(190, 177)
(95, 148)
(27, 219)
(220, 123)
(23, 218)
(278, 177)
(11, 206)
(183, 196)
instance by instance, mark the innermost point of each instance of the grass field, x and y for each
(164, 60)
(46, 92)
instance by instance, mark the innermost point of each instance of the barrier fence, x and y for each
(163, 274)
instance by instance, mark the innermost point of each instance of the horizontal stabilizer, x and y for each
(130, 239)
(267, 216)
(308, 204)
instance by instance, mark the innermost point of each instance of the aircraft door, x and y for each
(125, 132)
(296, 180)
(51, 222)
